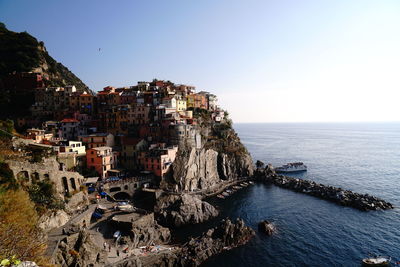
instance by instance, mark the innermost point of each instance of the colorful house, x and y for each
(102, 159)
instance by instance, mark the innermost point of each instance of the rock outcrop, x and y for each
(226, 236)
(146, 231)
(266, 227)
(79, 250)
(177, 210)
(53, 219)
(223, 237)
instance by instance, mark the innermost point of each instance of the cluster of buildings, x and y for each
(119, 131)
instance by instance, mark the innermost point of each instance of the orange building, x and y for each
(196, 101)
(102, 159)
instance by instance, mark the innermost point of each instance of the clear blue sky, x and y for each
(266, 60)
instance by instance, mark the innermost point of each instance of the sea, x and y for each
(363, 157)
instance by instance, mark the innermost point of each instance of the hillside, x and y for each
(21, 52)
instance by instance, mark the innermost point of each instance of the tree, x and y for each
(20, 237)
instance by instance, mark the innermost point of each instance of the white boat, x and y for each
(292, 167)
(376, 261)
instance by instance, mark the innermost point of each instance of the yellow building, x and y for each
(190, 101)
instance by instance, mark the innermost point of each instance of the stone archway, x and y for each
(73, 184)
(115, 189)
(23, 176)
(122, 196)
(35, 177)
(65, 185)
(46, 176)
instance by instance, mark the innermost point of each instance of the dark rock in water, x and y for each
(178, 210)
(223, 237)
(266, 227)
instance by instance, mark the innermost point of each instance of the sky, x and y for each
(268, 61)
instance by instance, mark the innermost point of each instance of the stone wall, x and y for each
(28, 173)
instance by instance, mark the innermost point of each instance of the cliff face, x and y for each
(221, 157)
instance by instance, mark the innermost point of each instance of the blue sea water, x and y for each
(312, 232)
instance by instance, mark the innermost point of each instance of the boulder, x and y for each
(266, 227)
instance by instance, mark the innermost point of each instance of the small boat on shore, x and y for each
(376, 261)
(291, 167)
(220, 196)
(251, 182)
(225, 194)
(237, 187)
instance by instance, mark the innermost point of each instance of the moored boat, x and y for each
(291, 167)
(376, 261)
(220, 196)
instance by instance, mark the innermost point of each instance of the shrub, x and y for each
(19, 235)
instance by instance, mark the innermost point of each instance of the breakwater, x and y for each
(364, 202)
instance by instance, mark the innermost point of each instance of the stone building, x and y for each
(27, 173)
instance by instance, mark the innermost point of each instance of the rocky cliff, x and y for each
(174, 210)
(225, 236)
(222, 156)
(79, 250)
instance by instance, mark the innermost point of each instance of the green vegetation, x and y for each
(18, 52)
(43, 195)
(223, 139)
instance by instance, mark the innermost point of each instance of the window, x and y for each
(92, 159)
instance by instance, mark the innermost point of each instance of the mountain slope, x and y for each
(21, 52)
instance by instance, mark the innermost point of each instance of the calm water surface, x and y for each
(313, 232)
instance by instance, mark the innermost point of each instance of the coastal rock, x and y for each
(53, 220)
(223, 237)
(177, 210)
(266, 227)
(79, 250)
(348, 198)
